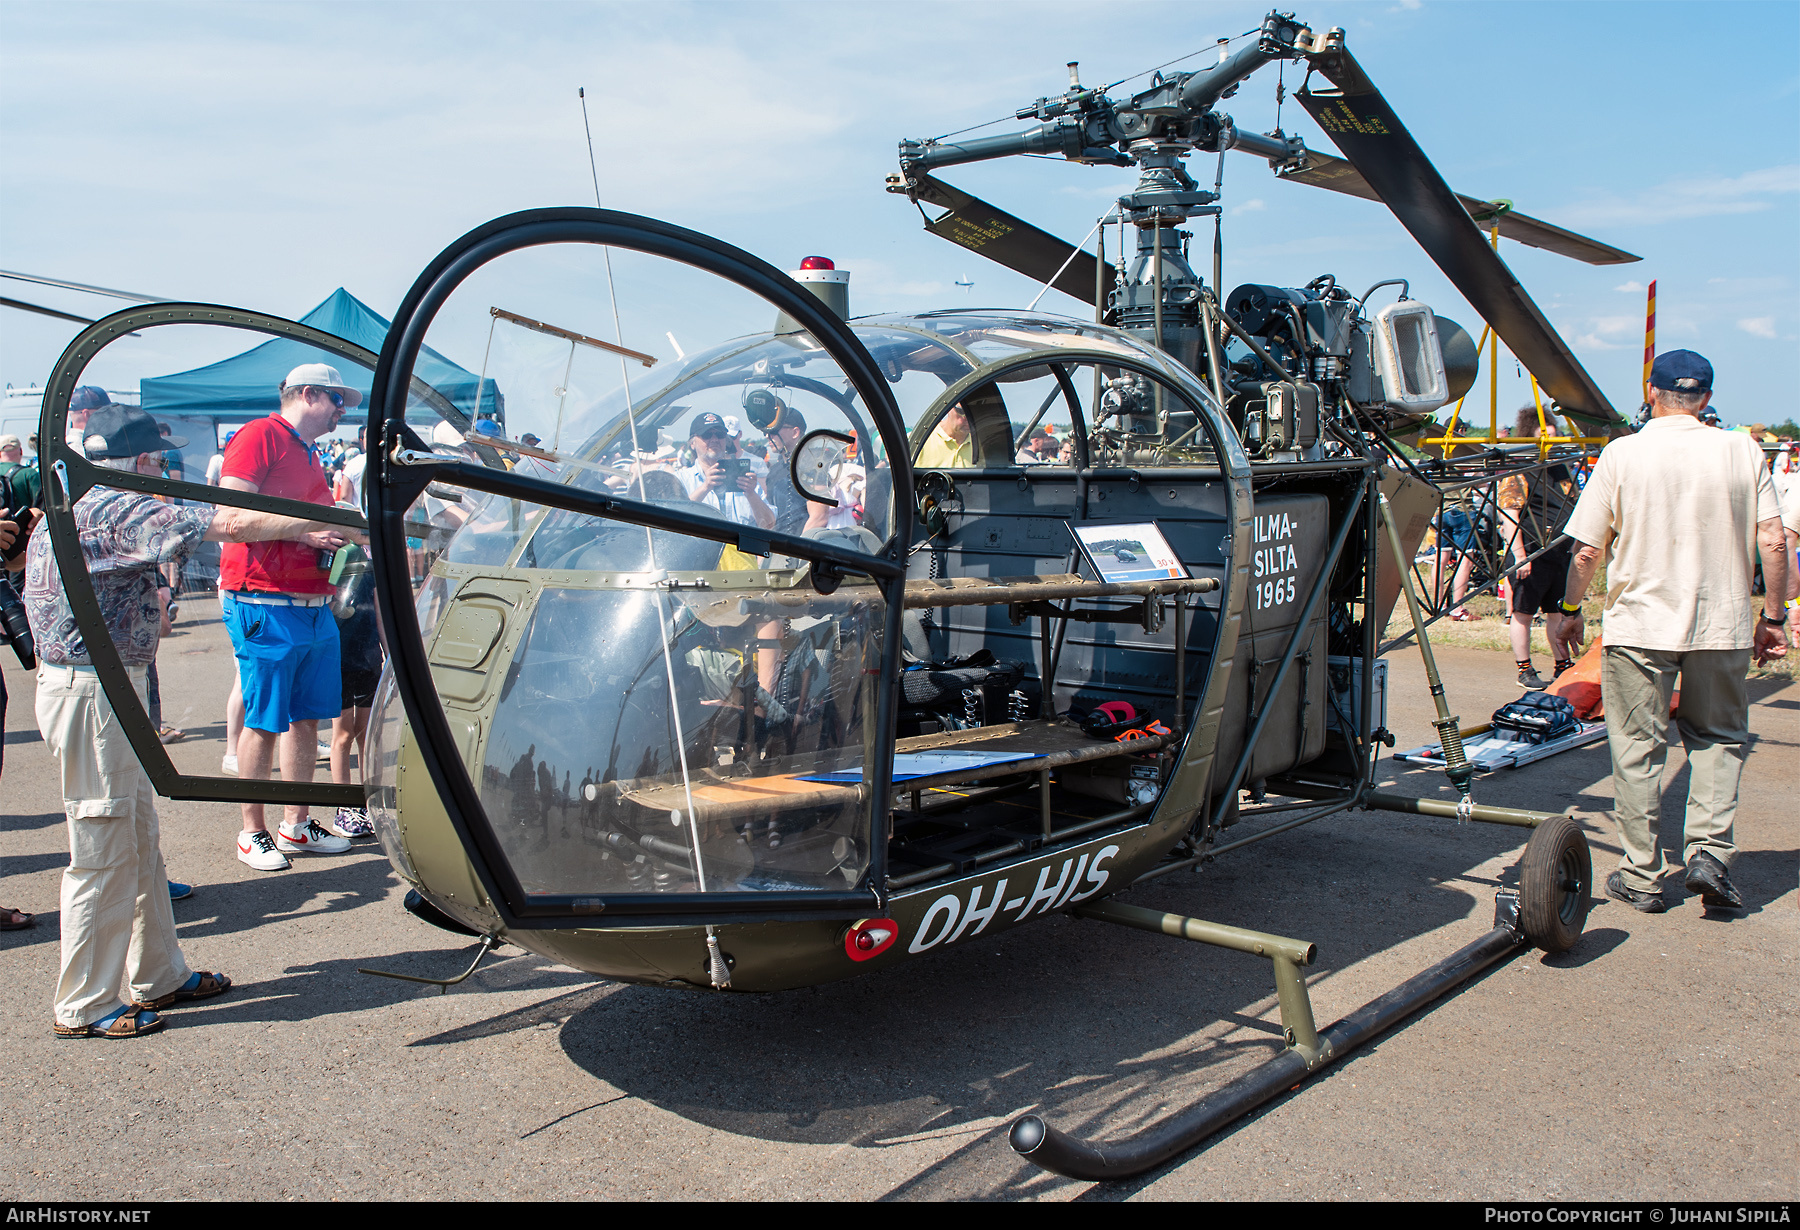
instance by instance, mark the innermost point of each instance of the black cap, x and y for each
(1681, 371)
(88, 397)
(704, 423)
(124, 431)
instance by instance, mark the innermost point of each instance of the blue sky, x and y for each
(264, 154)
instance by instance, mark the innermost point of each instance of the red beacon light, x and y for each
(869, 937)
(818, 262)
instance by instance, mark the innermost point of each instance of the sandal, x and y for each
(15, 920)
(125, 1023)
(168, 734)
(1461, 617)
(203, 985)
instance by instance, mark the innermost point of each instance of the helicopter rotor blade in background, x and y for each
(987, 231)
(1326, 171)
(44, 311)
(1362, 124)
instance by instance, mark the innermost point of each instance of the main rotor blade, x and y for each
(44, 311)
(983, 229)
(92, 290)
(1325, 171)
(1362, 124)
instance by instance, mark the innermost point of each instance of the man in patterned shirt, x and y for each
(116, 919)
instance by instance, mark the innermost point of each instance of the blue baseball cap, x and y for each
(88, 397)
(487, 427)
(1681, 371)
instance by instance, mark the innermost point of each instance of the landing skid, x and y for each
(1548, 910)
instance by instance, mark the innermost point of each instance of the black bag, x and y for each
(1538, 716)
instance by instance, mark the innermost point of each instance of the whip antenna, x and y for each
(581, 93)
(719, 971)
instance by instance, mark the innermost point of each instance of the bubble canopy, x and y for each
(603, 654)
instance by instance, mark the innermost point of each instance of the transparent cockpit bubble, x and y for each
(747, 776)
(656, 699)
(695, 379)
(1026, 415)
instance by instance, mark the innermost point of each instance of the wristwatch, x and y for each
(1772, 621)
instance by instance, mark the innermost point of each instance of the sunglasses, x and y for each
(337, 399)
(712, 435)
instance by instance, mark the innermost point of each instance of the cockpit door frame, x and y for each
(401, 469)
(68, 475)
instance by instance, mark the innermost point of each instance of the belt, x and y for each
(86, 669)
(258, 598)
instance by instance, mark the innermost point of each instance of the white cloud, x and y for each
(1626, 288)
(1253, 206)
(1688, 198)
(1593, 341)
(1758, 326)
(1615, 326)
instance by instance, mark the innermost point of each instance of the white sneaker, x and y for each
(229, 764)
(324, 749)
(309, 838)
(257, 848)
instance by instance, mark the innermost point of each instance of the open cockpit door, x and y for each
(634, 674)
(202, 370)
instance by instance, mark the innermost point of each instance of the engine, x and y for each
(1397, 363)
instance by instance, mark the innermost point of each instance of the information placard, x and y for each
(1136, 551)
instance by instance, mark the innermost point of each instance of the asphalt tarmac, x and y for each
(1657, 1060)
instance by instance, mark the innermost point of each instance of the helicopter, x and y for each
(642, 721)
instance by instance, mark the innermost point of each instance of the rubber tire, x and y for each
(1551, 915)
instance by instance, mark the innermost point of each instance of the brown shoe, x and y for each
(130, 1023)
(210, 984)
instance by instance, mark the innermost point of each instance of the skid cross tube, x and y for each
(1035, 1140)
(1381, 800)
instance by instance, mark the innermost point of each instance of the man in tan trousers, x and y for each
(1685, 510)
(116, 922)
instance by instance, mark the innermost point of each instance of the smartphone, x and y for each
(734, 469)
(338, 560)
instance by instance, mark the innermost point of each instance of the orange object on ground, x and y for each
(1580, 686)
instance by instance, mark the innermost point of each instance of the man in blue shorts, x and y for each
(274, 598)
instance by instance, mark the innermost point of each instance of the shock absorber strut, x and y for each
(1456, 765)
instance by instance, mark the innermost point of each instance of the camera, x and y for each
(732, 470)
(16, 627)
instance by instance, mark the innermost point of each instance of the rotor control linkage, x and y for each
(1456, 764)
(1306, 1053)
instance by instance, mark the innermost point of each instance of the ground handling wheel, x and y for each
(1556, 878)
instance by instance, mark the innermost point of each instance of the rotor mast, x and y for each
(1158, 297)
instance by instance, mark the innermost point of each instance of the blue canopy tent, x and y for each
(246, 385)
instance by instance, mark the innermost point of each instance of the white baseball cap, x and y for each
(322, 376)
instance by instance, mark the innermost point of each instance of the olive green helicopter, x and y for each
(1014, 610)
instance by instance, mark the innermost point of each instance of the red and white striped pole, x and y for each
(1649, 336)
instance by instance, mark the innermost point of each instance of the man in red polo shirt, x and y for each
(274, 595)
